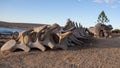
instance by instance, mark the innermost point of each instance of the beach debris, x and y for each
(101, 30)
(52, 36)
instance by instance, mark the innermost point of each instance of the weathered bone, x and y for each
(22, 41)
(79, 32)
(69, 25)
(63, 44)
(8, 46)
(76, 25)
(63, 40)
(75, 40)
(63, 35)
(52, 36)
(37, 44)
(106, 29)
(48, 39)
(22, 46)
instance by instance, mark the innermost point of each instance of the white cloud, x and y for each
(105, 1)
(109, 3)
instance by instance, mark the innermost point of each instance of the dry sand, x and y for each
(103, 53)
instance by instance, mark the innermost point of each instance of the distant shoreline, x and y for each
(19, 25)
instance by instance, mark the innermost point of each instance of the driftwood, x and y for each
(52, 36)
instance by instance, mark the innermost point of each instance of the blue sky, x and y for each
(57, 11)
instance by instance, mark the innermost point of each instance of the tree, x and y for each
(102, 18)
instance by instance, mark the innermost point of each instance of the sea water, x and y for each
(6, 30)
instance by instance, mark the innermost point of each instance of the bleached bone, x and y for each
(76, 25)
(79, 34)
(75, 40)
(96, 30)
(48, 41)
(37, 44)
(69, 24)
(63, 43)
(8, 46)
(63, 35)
(15, 45)
(22, 46)
(21, 42)
(52, 36)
